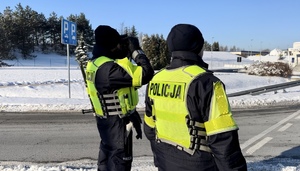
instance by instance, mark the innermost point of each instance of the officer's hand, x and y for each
(134, 47)
(137, 122)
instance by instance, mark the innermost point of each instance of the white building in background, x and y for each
(275, 55)
(293, 54)
(276, 52)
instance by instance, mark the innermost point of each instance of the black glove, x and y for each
(134, 47)
(137, 122)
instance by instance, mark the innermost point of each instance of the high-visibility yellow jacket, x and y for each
(205, 102)
(173, 122)
(122, 101)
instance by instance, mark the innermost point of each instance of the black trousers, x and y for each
(115, 151)
(169, 158)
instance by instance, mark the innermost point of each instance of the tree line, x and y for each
(25, 31)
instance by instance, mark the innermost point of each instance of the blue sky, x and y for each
(247, 24)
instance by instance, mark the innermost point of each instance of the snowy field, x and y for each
(42, 85)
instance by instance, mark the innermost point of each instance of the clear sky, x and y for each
(247, 24)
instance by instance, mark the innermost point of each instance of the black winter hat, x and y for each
(185, 37)
(107, 37)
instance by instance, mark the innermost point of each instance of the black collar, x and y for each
(182, 58)
(100, 51)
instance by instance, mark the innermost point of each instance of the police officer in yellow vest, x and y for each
(112, 83)
(188, 119)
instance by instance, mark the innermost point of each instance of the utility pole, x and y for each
(260, 51)
(251, 46)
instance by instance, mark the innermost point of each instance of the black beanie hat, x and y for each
(107, 37)
(185, 37)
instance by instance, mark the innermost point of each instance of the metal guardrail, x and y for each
(226, 70)
(265, 89)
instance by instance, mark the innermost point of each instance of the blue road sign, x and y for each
(68, 32)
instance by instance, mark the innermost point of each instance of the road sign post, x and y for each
(68, 37)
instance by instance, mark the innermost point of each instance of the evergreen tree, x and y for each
(207, 46)
(147, 47)
(23, 18)
(165, 56)
(38, 22)
(54, 32)
(215, 46)
(40, 28)
(24, 29)
(4, 49)
(225, 48)
(155, 47)
(84, 27)
(7, 36)
(81, 51)
(133, 32)
(233, 49)
(129, 31)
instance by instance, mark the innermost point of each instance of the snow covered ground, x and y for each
(42, 85)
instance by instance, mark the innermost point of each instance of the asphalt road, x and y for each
(266, 134)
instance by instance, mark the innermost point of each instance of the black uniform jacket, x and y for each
(225, 146)
(111, 76)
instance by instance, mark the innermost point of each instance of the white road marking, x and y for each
(261, 143)
(286, 126)
(298, 117)
(258, 136)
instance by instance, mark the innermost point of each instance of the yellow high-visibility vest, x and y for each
(168, 93)
(124, 99)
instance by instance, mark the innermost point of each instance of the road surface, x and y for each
(265, 134)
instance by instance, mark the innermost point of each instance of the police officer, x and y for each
(188, 119)
(112, 83)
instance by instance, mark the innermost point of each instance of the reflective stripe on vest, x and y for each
(123, 101)
(168, 90)
(220, 117)
(149, 121)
